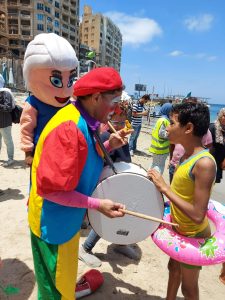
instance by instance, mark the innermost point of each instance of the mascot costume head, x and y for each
(49, 70)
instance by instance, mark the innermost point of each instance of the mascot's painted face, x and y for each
(52, 86)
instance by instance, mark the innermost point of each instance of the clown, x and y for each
(49, 71)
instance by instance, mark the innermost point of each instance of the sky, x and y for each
(172, 46)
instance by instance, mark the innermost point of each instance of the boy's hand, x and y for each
(158, 180)
(110, 208)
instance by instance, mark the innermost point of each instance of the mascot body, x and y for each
(49, 72)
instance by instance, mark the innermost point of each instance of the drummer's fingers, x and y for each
(124, 132)
(119, 206)
(119, 137)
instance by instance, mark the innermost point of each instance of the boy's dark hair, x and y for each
(145, 97)
(190, 99)
(195, 113)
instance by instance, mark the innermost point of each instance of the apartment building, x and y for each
(21, 20)
(102, 35)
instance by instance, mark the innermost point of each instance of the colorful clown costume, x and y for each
(66, 166)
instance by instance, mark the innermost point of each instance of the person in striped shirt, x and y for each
(138, 111)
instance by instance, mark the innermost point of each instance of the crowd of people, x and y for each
(63, 180)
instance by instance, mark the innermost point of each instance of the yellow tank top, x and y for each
(183, 185)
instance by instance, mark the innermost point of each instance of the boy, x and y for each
(190, 190)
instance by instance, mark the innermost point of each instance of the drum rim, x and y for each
(122, 172)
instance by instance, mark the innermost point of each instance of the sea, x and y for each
(214, 109)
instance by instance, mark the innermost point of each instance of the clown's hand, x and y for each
(119, 139)
(111, 209)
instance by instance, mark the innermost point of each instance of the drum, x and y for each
(130, 187)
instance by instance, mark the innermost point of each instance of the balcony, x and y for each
(65, 11)
(12, 16)
(26, 4)
(15, 46)
(3, 42)
(13, 4)
(22, 16)
(26, 37)
(14, 35)
(3, 8)
(25, 27)
(65, 30)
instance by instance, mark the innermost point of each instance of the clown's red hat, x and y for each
(98, 80)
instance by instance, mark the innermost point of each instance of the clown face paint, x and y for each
(106, 106)
(53, 87)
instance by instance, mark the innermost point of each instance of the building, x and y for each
(85, 62)
(21, 20)
(101, 34)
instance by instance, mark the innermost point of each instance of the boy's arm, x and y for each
(204, 173)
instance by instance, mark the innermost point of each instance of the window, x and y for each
(40, 27)
(25, 22)
(49, 19)
(56, 32)
(56, 4)
(49, 29)
(57, 15)
(47, 9)
(25, 32)
(40, 17)
(56, 23)
(40, 6)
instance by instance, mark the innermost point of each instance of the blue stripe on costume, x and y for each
(45, 113)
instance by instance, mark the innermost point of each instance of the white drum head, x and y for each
(122, 167)
(138, 194)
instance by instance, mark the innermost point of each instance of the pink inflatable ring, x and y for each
(194, 251)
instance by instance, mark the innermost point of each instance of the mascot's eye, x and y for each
(71, 80)
(57, 82)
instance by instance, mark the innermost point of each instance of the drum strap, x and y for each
(106, 154)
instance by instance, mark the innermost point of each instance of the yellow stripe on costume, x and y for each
(66, 268)
(67, 113)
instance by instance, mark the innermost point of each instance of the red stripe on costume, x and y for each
(62, 159)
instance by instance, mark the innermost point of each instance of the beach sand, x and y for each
(124, 278)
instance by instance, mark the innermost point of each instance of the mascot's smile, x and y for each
(62, 100)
